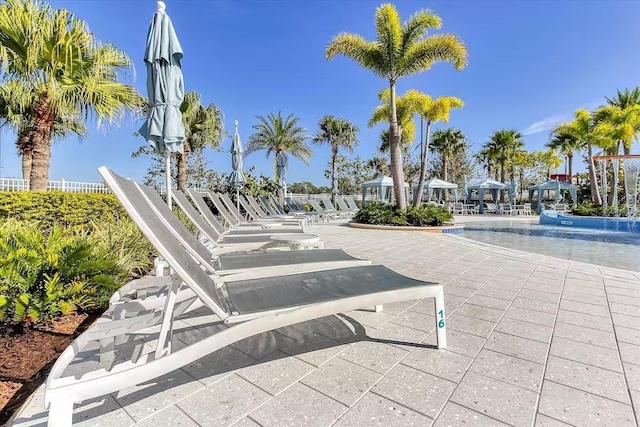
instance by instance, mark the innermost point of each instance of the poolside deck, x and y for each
(532, 340)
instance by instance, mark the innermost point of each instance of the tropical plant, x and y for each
(502, 145)
(432, 111)
(65, 71)
(20, 119)
(282, 138)
(45, 275)
(407, 106)
(565, 143)
(203, 128)
(447, 142)
(583, 130)
(380, 213)
(485, 158)
(400, 50)
(337, 133)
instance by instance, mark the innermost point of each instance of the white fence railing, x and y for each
(16, 184)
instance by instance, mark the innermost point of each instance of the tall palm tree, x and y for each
(502, 145)
(282, 138)
(583, 129)
(65, 70)
(447, 142)
(400, 49)
(567, 144)
(485, 158)
(203, 128)
(626, 98)
(433, 111)
(337, 133)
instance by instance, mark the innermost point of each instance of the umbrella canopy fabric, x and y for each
(164, 129)
(236, 178)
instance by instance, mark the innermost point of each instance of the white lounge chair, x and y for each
(249, 304)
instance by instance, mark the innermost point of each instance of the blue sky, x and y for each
(531, 64)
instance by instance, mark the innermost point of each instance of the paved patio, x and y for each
(532, 340)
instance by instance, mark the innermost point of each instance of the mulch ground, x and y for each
(26, 358)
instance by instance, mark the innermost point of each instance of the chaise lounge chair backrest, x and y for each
(194, 216)
(316, 206)
(169, 247)
(329, 205)
(267, 206)
(351, 203)
(231, 206)
(343, 206)
(202, 206)
(217, 202)
(248, 208)
(254, 203)
(148, 196)
(275, 203)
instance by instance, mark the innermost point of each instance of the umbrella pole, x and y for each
(167, 168)
(238, 199)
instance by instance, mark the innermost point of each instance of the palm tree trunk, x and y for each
(445, 168)
(25, 149)
(501, 179)
(595, 191)
(396, 152)
(182, 167)
(41, 155)
(334, 158)
(570, 161)
(417, 198)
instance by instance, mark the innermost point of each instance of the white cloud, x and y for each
(546, 125)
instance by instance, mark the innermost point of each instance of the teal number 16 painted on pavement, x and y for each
(441, 322)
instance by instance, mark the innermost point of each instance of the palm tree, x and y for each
(64, 69)
(484, 157)
(447, 142)
(407, 106)
(400, 49)
(583, 129)
(626, 98)
(281, 137)
(565, 143)
(433, 111)
(502, 145)
(337, 133)
(203, 128)
(20, 119)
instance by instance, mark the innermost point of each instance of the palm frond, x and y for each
(436, 48)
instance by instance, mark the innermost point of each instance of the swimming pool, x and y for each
(608, 248)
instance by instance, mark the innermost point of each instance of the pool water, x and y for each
(608, 248)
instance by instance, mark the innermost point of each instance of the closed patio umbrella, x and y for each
(163, 128)
(465, 191)
(236, 179)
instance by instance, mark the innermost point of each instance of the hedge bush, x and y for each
(589, 209)
(379, 213)
(57, 207)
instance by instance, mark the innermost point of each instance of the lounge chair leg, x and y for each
(441, 329)
(60, 413)
(378, 308)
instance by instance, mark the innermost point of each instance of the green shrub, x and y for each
(57, 207)
(589, 209)
(45, 274)
(380, 213)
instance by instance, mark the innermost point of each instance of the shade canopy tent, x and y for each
(437, 187)
(384, 188)
(558, 187)
(488, 185)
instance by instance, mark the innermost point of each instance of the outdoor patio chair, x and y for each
(457, 208)
(212, 260)
(331, 208)
(327, 215)
(490, 208)
(352, 204)
(247, 303)
(345, 208)
(249, 227)
(506, 209)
